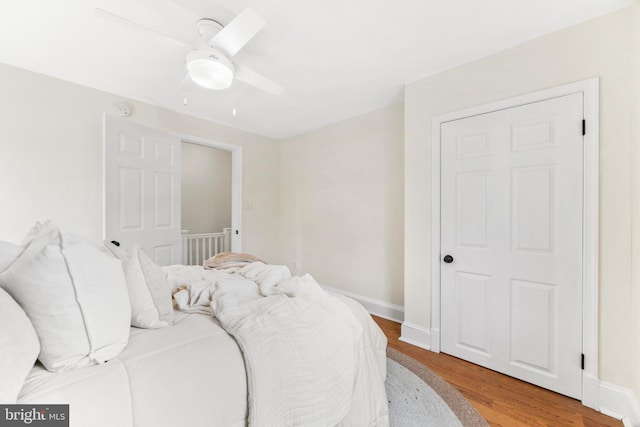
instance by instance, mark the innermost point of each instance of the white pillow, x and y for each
(19, 348)
(74, 294)
(149, 291)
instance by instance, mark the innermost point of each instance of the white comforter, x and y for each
(312, 359)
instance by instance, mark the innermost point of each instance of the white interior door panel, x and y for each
(142, 189)
(511, 221)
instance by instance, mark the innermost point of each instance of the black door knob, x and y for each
(448, 259)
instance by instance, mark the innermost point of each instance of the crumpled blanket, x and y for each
(193, 286)
(229, 259)
(312, 358)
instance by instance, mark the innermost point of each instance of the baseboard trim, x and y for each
(374, 306)
(619, 402)
(415, 335)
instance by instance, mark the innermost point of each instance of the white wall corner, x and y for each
(416, 335)
(619, 402)
(374, 306)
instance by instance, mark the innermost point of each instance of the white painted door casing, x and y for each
(511, 201)
(142, 189)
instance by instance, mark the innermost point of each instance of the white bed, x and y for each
(184, 368)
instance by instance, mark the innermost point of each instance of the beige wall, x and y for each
(635, 162)
(206, 188)
(51, 158)
(342, 204)
(601, 47)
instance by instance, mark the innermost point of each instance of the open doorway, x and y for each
(206, 201)
(212, 176)
(206, 188)
(139, 175)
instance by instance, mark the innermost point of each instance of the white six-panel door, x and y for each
(511, 220)
(142, 189)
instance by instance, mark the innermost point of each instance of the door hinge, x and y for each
(584, 127)
(582, 361)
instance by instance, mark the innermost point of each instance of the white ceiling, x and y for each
(335, 58)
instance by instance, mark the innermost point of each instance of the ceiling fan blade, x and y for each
(252, 78)
(238, 32)
(120, 20)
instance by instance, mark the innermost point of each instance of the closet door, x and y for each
(511, 241)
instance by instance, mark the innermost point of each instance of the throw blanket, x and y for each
(312, 358)
(227, 259)
(193, 287)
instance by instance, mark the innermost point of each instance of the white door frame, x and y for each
(591, 173)
(236, 183)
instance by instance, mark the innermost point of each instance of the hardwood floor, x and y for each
(501, 400)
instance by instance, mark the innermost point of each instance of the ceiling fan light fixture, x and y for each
(209, 68)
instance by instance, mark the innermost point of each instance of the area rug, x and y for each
(419, 397)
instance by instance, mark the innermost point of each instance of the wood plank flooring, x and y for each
(501, 400)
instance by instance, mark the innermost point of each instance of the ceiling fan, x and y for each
(209, 63)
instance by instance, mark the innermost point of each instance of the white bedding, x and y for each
(189, 374)
(194, 374)
(311, 358)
